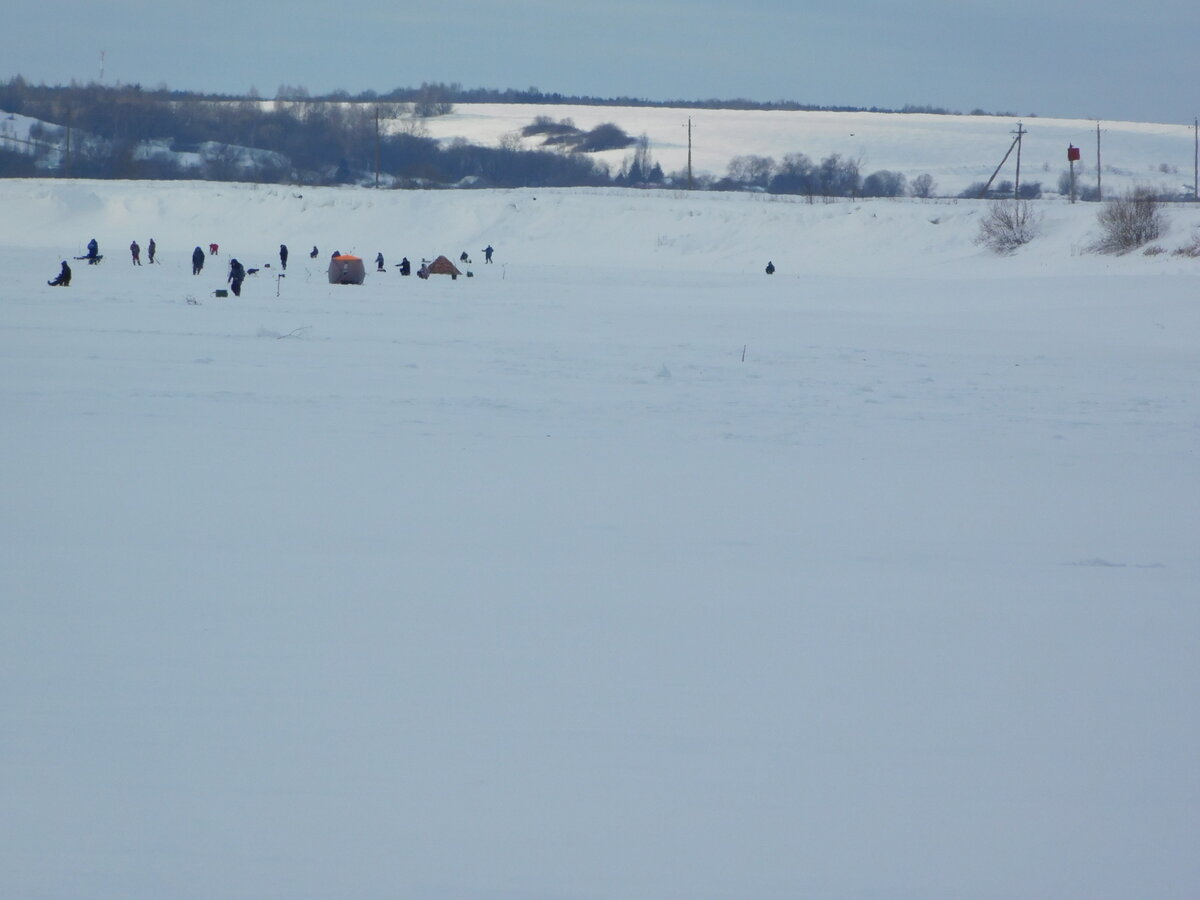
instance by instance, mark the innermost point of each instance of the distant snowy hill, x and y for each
(955, 151)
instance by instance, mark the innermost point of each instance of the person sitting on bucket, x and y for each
(770, 268)
(93, 254)
(64, 277)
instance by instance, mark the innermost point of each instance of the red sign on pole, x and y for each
(1072, 153)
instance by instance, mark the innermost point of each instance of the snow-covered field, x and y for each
(619, 570)
(956, 151)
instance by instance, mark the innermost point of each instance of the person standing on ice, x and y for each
(150, 251)
(379, 262)
(283, 256)
(487, 253)
(136, 252)
(197, 261)
(237, 274)
(64, 277)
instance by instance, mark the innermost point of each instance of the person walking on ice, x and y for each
(197, 261)
(237, 274)
(136, 252)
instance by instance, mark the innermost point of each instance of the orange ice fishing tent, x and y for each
(346, 269)
(443, 266)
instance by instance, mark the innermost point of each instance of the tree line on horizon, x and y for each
(430, 97)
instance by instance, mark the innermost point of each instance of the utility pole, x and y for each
(1099, 189)
(1196, 162)
(1020, 132)
(689, 154)
(377, 147)
(983, 194)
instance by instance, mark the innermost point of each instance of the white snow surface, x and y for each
(956, 151)
(618, 570)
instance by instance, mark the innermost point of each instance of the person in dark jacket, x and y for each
(197, 261)
(379, 262)
(237, 274)
(314, 253)
(136, 252)
(151, 249)
(487, 253)
(283, 256)
(770, 267)
(64, 277)
(405, 266)
(464, 258)
(93, 254)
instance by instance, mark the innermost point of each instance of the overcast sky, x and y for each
(1103, 59)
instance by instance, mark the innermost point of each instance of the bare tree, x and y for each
(923, 186)
(751, 170)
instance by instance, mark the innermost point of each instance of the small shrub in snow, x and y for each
(1008, 225)
(1190, 249)
(1129, 222)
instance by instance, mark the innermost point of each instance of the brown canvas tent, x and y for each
(443, 266)
(346, 269)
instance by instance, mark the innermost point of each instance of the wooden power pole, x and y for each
(1013, 146)
(689, 153)
(1020, 132)
(377, 146)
